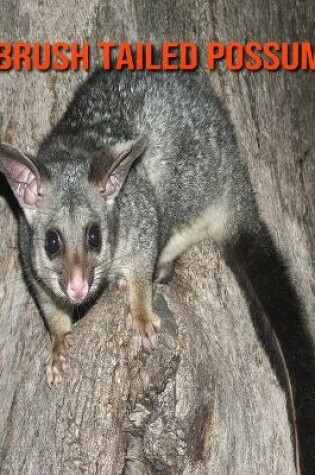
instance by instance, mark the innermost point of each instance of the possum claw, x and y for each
(58, 362)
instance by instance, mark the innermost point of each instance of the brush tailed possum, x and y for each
(140, 167)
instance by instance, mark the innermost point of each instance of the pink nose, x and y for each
(77, 291)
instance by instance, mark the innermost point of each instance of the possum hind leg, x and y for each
(165, 272)
(212, 222)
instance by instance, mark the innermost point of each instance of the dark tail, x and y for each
(261, 271)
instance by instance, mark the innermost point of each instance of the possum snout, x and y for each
(76, 284)
(78, 287)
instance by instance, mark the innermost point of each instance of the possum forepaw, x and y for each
(145, 325)
(58, 362)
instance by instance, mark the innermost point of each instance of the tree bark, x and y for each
(206, 401)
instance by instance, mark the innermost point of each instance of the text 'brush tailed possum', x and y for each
(140, 167)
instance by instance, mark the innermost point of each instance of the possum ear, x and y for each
(117, 173)
(22, 176)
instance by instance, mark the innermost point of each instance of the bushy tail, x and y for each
(260, 269)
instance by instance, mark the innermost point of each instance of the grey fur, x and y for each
(188, 182)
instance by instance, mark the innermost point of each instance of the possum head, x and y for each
(67, 201)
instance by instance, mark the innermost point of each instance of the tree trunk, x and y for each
(206, 401)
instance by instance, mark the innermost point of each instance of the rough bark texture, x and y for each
(206, 400)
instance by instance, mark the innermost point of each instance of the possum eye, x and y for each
(52, 244)
(94, 237)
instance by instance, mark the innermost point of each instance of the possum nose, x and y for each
(78, 287)
(77, 291)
